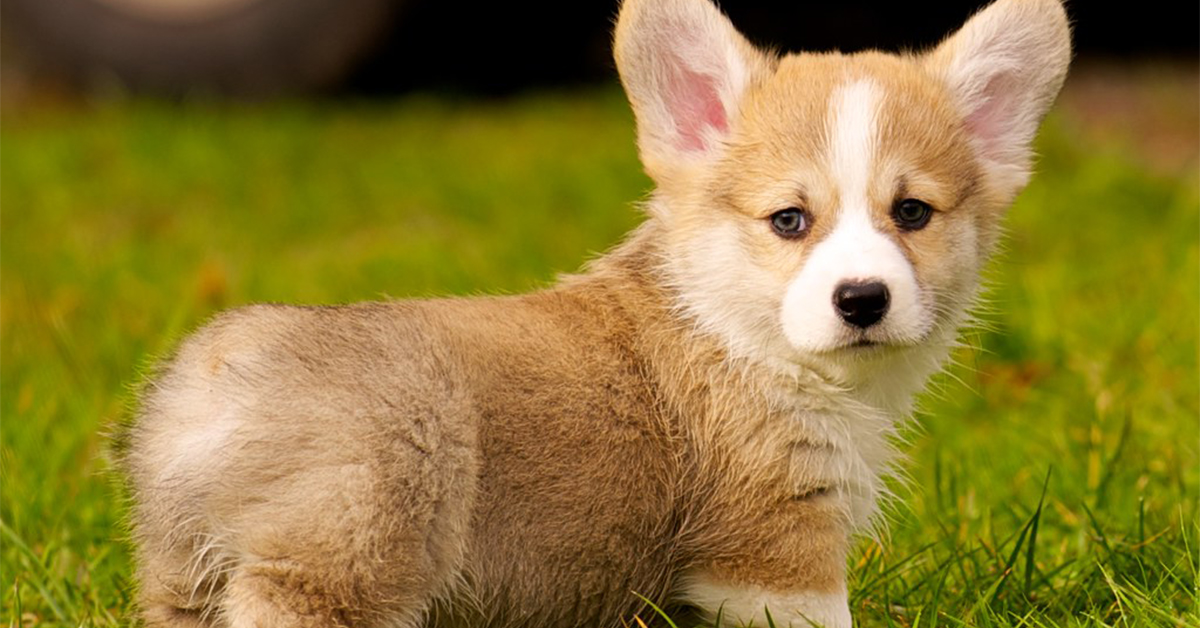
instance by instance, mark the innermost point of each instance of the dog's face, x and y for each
(844, 211)
(833, 208)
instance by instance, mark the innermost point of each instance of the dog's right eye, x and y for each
(790, 223)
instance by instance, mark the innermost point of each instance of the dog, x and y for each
(701, 418)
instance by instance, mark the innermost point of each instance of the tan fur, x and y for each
(642, 427)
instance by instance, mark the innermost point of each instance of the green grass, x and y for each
(1054, 473)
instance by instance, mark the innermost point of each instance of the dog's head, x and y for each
(828, 207)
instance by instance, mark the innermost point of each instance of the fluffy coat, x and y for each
(688, 419)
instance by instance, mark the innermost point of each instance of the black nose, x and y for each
(861, 304)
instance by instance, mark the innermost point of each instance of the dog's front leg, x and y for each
(787, 561)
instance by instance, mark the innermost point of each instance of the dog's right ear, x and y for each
(685, 68)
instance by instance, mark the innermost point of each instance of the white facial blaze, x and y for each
(855, 251)
(852, 142)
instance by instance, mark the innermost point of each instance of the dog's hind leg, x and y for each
(292, 564)
(300, 467)
(277, 594)
(181, 567)
(361, 550)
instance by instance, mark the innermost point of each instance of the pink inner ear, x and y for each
(694, 104)
(994, 120)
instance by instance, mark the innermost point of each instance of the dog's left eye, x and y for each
(911, 214)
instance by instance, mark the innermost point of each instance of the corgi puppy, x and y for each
(702, 417)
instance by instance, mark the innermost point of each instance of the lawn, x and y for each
(1054, 470)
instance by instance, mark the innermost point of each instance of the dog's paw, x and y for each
(827, 611)
(749, 605)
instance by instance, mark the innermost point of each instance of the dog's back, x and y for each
(396, 453)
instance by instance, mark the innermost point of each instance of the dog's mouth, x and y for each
(856, 347)
(864, 345)
(868, 343)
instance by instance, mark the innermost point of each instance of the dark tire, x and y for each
(245, 47)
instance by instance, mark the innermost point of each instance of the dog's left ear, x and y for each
(685, 69)
(1005, 68)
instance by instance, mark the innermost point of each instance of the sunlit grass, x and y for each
(1055, 485)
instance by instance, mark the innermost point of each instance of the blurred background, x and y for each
(266, 47)
(161, 160)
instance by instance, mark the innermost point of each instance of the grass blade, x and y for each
(658, 611)
(1037, 517)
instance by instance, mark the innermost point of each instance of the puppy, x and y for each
(701, 417)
